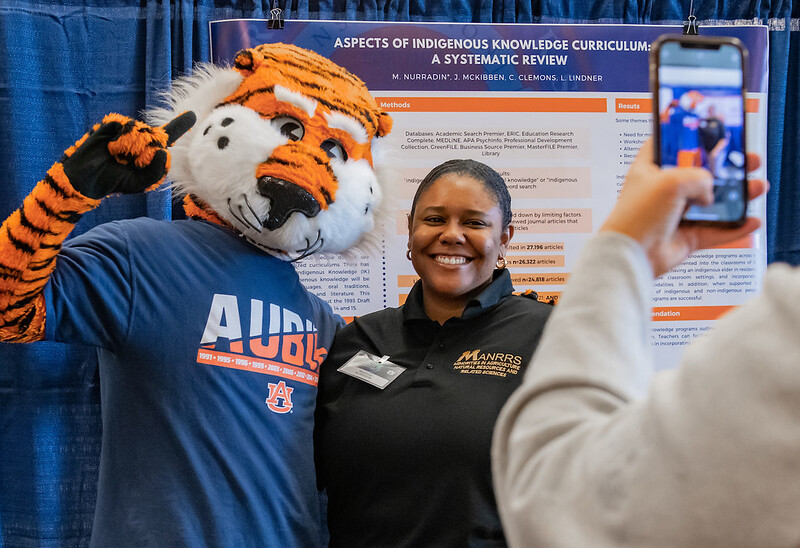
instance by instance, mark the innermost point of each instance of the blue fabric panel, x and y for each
(64, 68)
(783, 214)
(49, 444)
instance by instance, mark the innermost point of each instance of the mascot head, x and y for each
(284, 150)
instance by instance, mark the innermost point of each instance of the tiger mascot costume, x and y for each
(209, 346)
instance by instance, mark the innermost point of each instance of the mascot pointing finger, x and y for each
(209, 346)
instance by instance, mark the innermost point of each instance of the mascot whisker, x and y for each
(209, 346)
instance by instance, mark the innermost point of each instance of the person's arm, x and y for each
(707, 457)
(118, 155)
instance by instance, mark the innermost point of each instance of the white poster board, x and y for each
(559, 110)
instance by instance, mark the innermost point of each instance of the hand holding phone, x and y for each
(651, 203)
(698, 89)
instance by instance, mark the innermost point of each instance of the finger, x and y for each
(156, 169)
(99, 137)
(180, 125)
(646, 152)
(108, 131)
(693, 184)
(144, 178)
(708, 237)
(753, 161)
(641, 165)
(756, 187)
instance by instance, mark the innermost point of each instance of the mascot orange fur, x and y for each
(209, 346)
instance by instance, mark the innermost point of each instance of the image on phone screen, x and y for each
(701, 121)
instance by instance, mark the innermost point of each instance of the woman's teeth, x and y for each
(450, 260)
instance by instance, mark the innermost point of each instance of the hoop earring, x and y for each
(501, 263)
(408, 254)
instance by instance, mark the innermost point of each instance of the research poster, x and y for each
(560, 111)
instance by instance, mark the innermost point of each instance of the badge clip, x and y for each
(379, 372)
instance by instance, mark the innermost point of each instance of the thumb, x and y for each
(695, 185)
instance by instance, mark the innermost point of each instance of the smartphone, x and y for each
(698, 85)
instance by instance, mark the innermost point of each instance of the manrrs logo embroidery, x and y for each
(499, 364)
(280, 397)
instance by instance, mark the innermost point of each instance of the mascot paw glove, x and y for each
(122, 155)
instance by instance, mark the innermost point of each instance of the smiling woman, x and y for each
(433, 374)
(459, 232)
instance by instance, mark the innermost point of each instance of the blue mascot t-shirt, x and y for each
(209, 354)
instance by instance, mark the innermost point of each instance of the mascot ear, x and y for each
(247, 61)
(384, 124)
(275, 56)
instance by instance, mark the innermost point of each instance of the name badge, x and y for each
(377, 371)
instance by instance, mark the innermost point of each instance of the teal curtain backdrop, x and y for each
(66, 63)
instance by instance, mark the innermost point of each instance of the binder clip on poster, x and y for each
(690, 25)
(275, 17)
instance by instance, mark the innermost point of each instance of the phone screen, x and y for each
(700, 110)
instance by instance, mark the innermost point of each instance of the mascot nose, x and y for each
(285, 198)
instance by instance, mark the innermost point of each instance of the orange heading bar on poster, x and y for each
(688, 313)
(406, 280)
(547, 296)
(493, 104)
(544, 296)
(534, 278)
(635, 106)
(536, 260)
(536, 246)
(645, 106)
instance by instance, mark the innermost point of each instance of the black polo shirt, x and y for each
(409, 465)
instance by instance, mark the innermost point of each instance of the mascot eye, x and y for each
(289, 127)
(334, 149)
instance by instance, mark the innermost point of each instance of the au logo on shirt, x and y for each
(279, 399)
